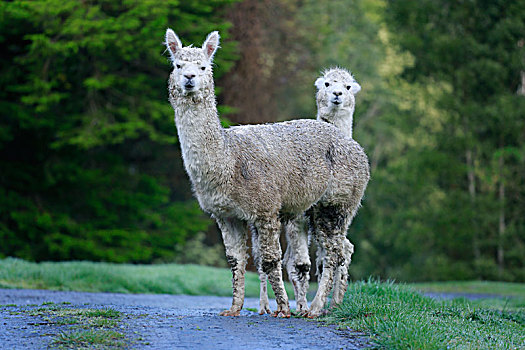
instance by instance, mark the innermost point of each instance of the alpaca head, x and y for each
(336, 89)
(192, 72)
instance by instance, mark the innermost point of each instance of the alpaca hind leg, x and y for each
(234, 237)
(264, 303)
(270, 250)
(341, 275)
(325, 280)
(297, 260)
(329, 224)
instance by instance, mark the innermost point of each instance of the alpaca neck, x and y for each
(201, 136)
(342, 118)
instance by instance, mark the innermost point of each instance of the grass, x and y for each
(90, 339)
(485, 287)
(84, 328)
(124, 278)
(499, 295)
(398, 317)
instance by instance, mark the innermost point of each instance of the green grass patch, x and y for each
(500, 295)
(90, 339)
(398, 317)
(484, 287)
(79, 328)
(124, 278)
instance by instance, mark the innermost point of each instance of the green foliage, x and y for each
(463, 200)
(86, 131)
(91, 169)
(195, 251)
(397, 317)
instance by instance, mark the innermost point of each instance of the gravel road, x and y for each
(170, 322)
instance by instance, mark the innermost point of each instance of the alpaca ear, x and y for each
(319, 83)
(355, 87)
(172, 43)
(211, 44)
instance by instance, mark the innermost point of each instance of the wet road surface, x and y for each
(171, 322)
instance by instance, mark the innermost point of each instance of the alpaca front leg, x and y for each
(264, 303)
(270, 250)
(341, 275)
(234, 237)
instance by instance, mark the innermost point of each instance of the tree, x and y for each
(87, 140)
(475, 49)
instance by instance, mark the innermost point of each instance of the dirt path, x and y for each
(167, 322)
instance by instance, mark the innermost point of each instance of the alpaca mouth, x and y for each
(336, 102)
(189, 88)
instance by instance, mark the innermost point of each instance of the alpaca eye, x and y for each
(178, 66)
(327, 84)
(203, 68)
(348, 87)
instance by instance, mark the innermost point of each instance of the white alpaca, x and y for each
(335, 99)
(263, 176)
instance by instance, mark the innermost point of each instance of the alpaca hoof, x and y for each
(282, 314)
(303, 313)
(302, 307)
(315, 314)
(325, 312)
(229, 313)
(312, 314)
(264, 310)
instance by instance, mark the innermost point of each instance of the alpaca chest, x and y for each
(218, 203)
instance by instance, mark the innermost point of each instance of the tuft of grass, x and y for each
(396, 316)
(90, 339)
(124, 278)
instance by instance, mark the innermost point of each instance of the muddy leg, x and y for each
(264, 303)
(329, 224)
(341, 275)
(234, 237)
(270, 250)
(297, 260)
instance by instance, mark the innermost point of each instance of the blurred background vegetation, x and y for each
(90, 168)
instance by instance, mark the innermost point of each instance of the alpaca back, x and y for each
(289, 166)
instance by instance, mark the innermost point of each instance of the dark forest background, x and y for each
(90, 168)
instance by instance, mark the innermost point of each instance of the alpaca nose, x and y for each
(338, 93)
(189, 76)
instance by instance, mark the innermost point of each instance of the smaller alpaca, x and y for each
(335, 105)
(336, 91)
(335, 99)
